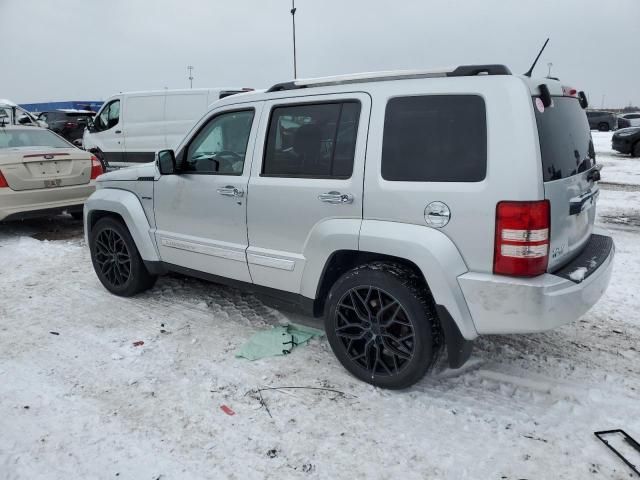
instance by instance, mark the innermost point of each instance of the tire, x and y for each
(127, 275)
(403, 340)
(635, 150)
(603, 127)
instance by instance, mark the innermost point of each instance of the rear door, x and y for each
(308, 169)
(568, 162)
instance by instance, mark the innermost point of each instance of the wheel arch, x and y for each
(125, 206)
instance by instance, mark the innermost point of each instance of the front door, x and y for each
(107, 135)
(201, 212)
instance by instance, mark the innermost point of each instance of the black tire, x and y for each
(116, 259)
(603, 127)
(77, 215)
(400, 338)
(635, 150)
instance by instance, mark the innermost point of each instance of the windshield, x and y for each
(30, 137)
(565, 138)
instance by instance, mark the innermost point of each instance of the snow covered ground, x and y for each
(84, 402)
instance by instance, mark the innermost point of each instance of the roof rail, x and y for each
(461, 71)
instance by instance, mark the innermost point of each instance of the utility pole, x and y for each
(190, 68)
(549, 72)
(293, 20)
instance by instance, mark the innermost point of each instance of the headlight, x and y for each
(628, 133)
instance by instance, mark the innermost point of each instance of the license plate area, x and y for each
(56, 182)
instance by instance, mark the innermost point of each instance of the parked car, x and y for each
(69, 124)
(131, 127)
(603, 121)
(42, 174)
(629, 120)
(13, 114)
(627, 140)
(354, 199)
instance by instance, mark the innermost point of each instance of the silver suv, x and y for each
(412, 210)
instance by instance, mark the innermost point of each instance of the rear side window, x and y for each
(312, 140)
(565, 139)
(435, 138)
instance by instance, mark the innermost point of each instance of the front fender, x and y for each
(434, 254)
(127, 205)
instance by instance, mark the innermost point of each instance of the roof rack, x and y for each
(461, 71)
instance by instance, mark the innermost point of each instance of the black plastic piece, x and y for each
(472, 70)
(592, 256)
(582, 98)
(458, 347)
(279, 87)
(627, 438)
(545, 95)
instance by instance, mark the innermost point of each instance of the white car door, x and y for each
(201, 211)
(107, 132)
(307, 176)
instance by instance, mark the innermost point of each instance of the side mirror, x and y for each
(166, 161)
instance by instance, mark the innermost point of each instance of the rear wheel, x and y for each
(381, 324)
(116, 259)
(635, 151)
(603, 127)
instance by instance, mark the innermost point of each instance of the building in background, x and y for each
(93, 105)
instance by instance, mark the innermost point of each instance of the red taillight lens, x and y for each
(96, 168)
(522, 238)
(3, 181)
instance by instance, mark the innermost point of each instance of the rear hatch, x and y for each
(569, 175)
(33, 168)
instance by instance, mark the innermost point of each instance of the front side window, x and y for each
(312, 140)
(435, 138)
(221, 146)
(109, 116)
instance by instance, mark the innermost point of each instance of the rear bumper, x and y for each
(24, 203)
(502, 305)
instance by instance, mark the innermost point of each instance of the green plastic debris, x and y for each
(277, 341)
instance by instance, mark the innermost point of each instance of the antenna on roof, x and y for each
(528, 74)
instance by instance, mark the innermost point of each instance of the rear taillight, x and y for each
(96, 168)
(522, 238)
(3, 181)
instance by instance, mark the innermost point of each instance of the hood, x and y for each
(130, 173)
(626, 131)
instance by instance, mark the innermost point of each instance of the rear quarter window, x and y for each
(435, 138)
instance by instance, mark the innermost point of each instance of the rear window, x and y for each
(565, 139)
(435, 138)
(30, 137)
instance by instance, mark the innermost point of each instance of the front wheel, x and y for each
(116, 259)
(381, 324)
(603, 127)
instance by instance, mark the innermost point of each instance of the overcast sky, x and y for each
(90, 49)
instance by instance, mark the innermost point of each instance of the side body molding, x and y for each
(434, 254)
(128, 206)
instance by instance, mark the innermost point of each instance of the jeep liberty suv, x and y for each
(414, 211)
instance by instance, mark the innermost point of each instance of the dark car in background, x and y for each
(603, 121)
(69, 124)
(627, 140)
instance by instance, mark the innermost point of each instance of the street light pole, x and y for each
(293, 20)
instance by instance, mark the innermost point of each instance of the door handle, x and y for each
(576, 204)
(335, 198)
(118, 131)
(231, 191)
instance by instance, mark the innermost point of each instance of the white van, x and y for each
(131, 127)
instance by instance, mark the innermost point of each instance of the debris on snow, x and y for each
(227, 410)
(138, 343)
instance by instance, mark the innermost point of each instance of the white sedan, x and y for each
(41, 173)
